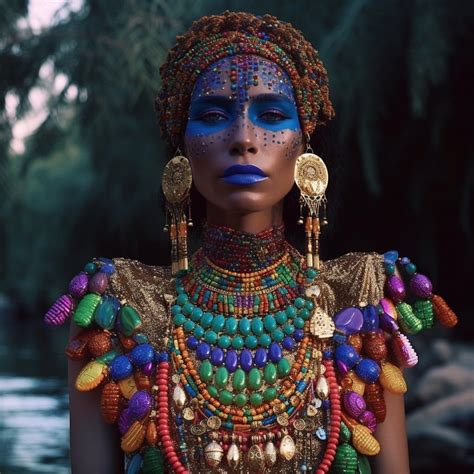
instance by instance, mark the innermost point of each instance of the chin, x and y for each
(242, 202)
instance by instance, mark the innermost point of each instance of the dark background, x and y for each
(399, 153)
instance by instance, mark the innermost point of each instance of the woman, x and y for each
(250, 357)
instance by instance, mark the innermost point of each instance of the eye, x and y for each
(273, 116)
(212, 116)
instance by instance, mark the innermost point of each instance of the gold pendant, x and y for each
(213, 453)
(233, 456)
(321, 325)
(270, 454)
(256, 458)
(287, 447)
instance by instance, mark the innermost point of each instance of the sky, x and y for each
(41, 14)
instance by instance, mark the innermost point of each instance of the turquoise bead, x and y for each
(198, 332)
(189, 326)
(284, 367)
(251, 342)
(90, 268)
(299, 323)
(196, 314)
(281, 317)
(206, 320)
(182, 299)
(244, 326)
(231, 325)
(291, 311)
(237, 342)
(288, 329)
(179, 319)
(224, 342)
(304, 313)
(265, 340)
(187, 308)
(175, 309)
(309, 305)
(218, 323)
(389, 268)
(299, 302)
(277, 335)
(269, 323)
(257, 326)
(410, 268)
(210, 337)
(311, 273)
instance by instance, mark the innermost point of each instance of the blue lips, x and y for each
(243, 175)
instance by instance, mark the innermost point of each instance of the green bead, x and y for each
(257, 326)
(304, 314)
(270, 373)
(291, 311)
(251, 342)
(218, 323)
(309, 305)
(363, 464)
(231, 325)
(269, 394)
(284, 367)
(210, 337)
(189, 325)
(241, 400)
(244, 326)
(281, 317)
(196, 314)
(238, 380)
(205, 371)
(84, 313)
(225, 397)
(175, 309)
(129, 318)
(188, 308)
(206, 320)
(277, 335)
(410, 268)
(269, 322)
(108, 357)
(264, 340)
(288, 329)
(299, 323)
(224, 342)
(182, 299)
(255, 379)
(198, 332)
(389, 268)
(222, 377)
(213, 392)
(299, 302)
(256, 399)
(407, 319)
(179, 319)
(237, 342)
(344, 434)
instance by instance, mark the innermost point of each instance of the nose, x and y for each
(243, 140)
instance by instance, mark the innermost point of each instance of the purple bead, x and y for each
(142, 354)
(388, 324)
(260, 358)
(371, 319)
(395, 289)
(288, 343)
(368, 370)
(59, 311)
(192, 342)
(124, 421)
(354, 404)
(274, 352)
(139, 405)
(147, 368)
(217, 356)
(120, 368)
(346, 354)
(98, 283)
(298, 335)
(341, 367)
(349, 320)
(78, 285)
(421, 286)
(368, 419)
(231, 361)
(203, 351)
(246, 360)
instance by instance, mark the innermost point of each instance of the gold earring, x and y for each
(176, 183)
(311, 177)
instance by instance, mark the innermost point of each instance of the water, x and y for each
(34, 420)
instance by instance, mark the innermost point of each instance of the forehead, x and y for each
(241, 77)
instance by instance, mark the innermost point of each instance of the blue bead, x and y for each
(326, 404)
(327, 354)
(203, 351)
(179, 420)
(192, 342)
(288, 343)
(346, 354)
(371, 319)
(163, 357)
(405, 261)
(274, 352)
(231, 361)
(246, 360)
(260, 358)
(108, 268)
(368, 370)
(141, 354)
(121, 368)
(298, 335)
(106, 260)
(339, 338)
(391, 256)
(321, 434)
(217, 356)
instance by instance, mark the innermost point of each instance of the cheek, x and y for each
(284, 145)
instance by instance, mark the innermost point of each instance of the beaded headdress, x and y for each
(214, 37)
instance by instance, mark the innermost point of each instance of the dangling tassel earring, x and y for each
(176, 184)
(311, 177)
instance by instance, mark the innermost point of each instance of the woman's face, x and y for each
(243, 134)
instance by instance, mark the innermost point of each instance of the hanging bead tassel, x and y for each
(309, 245)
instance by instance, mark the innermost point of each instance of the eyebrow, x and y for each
(224, 99)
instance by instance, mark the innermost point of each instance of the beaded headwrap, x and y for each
(214, 37)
